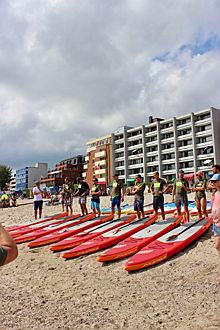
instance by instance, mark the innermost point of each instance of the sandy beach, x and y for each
(42, 291)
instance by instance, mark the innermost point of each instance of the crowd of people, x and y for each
(179, 188)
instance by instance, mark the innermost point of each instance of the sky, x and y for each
(72, 71)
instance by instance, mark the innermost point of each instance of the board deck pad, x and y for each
(163, 248)
(109, 238)
(30, 223)
(69, 231)
(137, 241)
(77, 239)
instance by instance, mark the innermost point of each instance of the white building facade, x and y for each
(190, 142)
(26, 177)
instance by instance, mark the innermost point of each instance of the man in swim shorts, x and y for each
(117, 194)
(215, 170)
(180, 188)
(138, 192)
(82, 192)
(67, 189)
(158, 188)
(38, 199)
(95, 200)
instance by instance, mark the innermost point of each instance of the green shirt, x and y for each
(200, 184)
(95, 198)
(180, 191)
(116, 188)
(140, 193)
(158, 185)
(68, 187)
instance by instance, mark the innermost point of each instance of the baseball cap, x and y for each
(215, 177)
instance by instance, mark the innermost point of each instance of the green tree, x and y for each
(5, 176)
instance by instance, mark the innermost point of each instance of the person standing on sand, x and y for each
(82, 192)
(180, 188)
(117, 194)
(8, 248)
(200, 196)
(95, 200)
(215, 170)
(216, 214)
(38, 199)
(67, 190)
(138, 192)
(158, 188)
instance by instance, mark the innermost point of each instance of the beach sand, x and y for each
(39, 290)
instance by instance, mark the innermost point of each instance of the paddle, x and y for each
(130, 223)
(90, 231)
(176, 235)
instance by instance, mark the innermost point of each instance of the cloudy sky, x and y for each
(72, 70)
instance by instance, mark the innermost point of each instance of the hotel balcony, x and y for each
(204, 144)
(150, 134)
(100, 162)
(151, 153)
(203, 122)
(167, 140)
(168, 161)
(100, 154)
(188, 169)
(185, 148)
(85, 167)
(117, 159)
(185, 159)
(119, 149)
(101, 171)
(205, 156)
(167, 172)
(154, 163)
(168, 151)
(152, 143)
(134, 137)
(136, 146)
(135, 166)
(204, 133)
(119, 141)
(135, 156)
(184, 137)
(184, 126)
(166, 130)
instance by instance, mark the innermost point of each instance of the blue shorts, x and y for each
(82, 200)
(116, 201)
(95, 205)
(216, 229)
(38, 205)
(158, 202)
(139, 205)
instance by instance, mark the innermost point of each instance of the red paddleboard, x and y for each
(168, 244)
(66, 232)
(73, 219)
(109, 238)
(27, 224)
(29, 229)
(85, 235)
(137, 241)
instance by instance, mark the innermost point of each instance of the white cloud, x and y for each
(75, 70)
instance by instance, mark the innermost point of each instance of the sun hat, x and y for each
(215, 177)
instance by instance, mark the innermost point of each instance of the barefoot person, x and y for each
(216, 214)
(179, 194)
(158, 188)
(138, 192)
(82, 192)
(95, 200)
(117, 194)
(67, 189)
(38, 199)
(8, 248)
(200, 196)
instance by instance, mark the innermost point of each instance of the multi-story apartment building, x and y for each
(71, 168)
(190, 142)
(26, 177)
(99, 161)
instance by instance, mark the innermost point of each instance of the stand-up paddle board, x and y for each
(85, 235)
(29, 229)
(31, 223)
(109, 209)
(168, 244)
(109, 238)
(137, 241)
(72, 220)
(70, 231)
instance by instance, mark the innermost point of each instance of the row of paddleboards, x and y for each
(168, 208)
(147, 241)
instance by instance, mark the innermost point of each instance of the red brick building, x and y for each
(98, 162)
